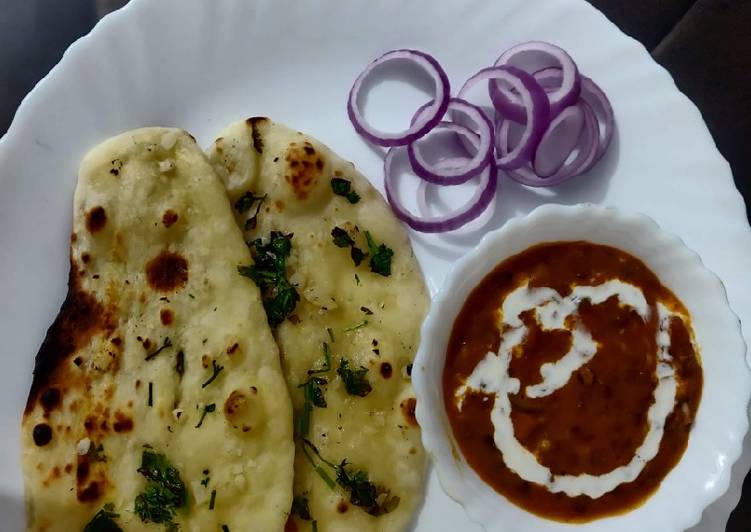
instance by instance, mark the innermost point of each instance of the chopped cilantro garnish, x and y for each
(326, 359)
(355, 380)
(313, 395)
(216, 370)
(317, 467)
(380, 256)
(104, 520)
(225, 528)
(331, 334)
(357, 255)
(357, 279)
(366, 311)
(244, 204)
(341, 237)
(300, 507)
(374, 499)
(364, 493)
(164, 492)
(165, 344)
(212, 501)
(180, 363)
(314, 526)
(343, 187)
(208, 409)
(268, 272)
(355, 327)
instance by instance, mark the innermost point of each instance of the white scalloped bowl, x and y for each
(703, 473)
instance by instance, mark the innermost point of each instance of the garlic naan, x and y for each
(159, 343)
(289, 189)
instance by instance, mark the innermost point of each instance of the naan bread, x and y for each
(154, 253)
(377, 433)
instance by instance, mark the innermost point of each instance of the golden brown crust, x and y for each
(80, 317)
(305, 168)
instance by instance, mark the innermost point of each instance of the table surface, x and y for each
(704, 44)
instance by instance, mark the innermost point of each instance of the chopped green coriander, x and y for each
(318, 468)
(366, 311)
(225, 528)
(206, 478)
(341, 237)
(343, 187)
(380, 256)
(165, 344)
(331, 334)
(208, 409)
(355, 327)
(357, 255)
(374, 499)
(363, 492)
(326, 366)
(164, 492)
(191, 296)
(268, 272)
(357, 279)
(313, 394)
(216, 370)
(180, 363)
(104, 520)
(212, 501)
(314, 526)
(244, 204)
(300, 507)
(355, 380)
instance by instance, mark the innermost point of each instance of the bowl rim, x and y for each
(492, 510)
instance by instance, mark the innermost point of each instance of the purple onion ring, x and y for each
(566, 94)
(461, 216)
(432, 115)
(483, 147)
(536, 108)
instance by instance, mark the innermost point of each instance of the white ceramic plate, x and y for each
(696, 480)
(200, 64)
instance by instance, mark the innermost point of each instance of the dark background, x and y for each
(705, 44)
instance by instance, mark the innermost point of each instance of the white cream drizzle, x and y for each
(491, 376)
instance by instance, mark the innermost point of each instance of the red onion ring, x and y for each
(586, 148)
(461, 216)
(432, 115)
(566, 94)
(598, 102)
(558, 141)
(483, 147)
(587, 145)
(535, 105)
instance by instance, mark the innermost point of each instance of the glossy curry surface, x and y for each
(594, 423)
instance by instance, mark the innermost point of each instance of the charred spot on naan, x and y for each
(167, 272)
(255, 123)
(241, 412)
(408, 410)
(81, 317)
(96, 219)
(304, 168)
(169, 218)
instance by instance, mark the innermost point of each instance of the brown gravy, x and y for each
(597, 420)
